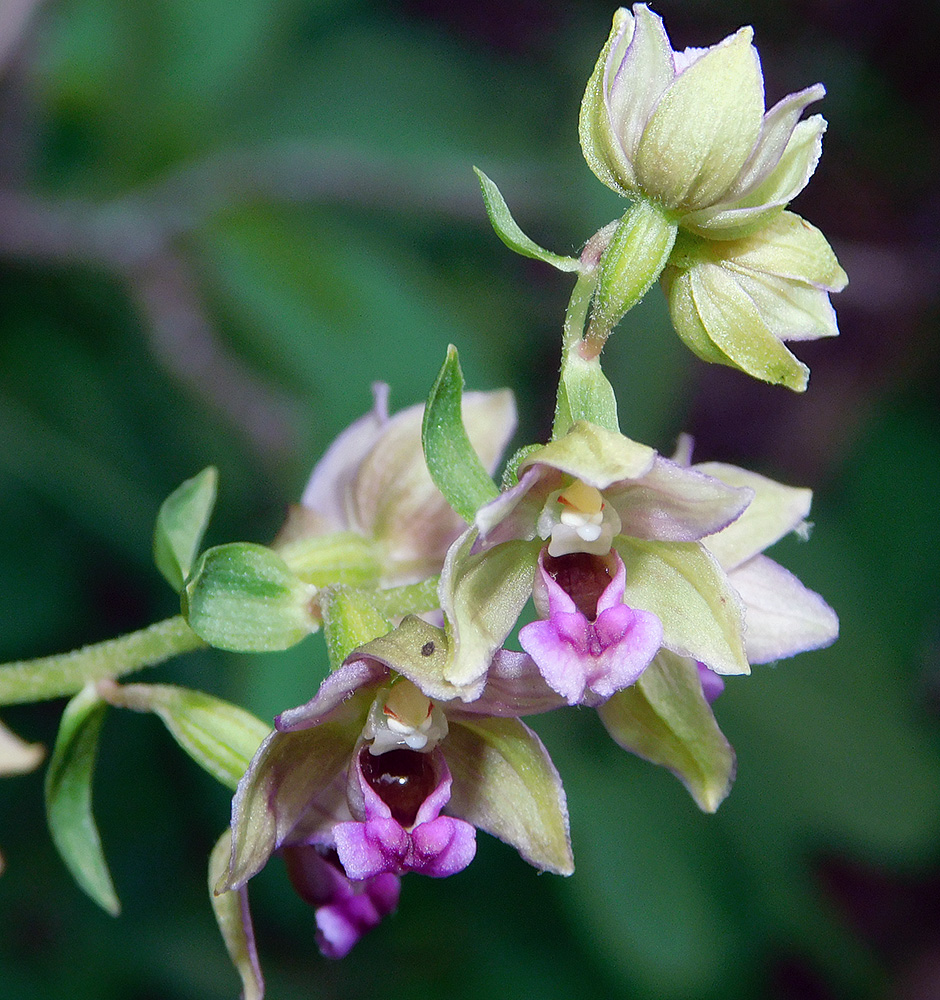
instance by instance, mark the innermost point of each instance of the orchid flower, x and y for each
(374, 779)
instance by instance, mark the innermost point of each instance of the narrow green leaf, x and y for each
(181, 523)
(505, 783)
(68, 797)
(234, 920)
(452, 461)
(509, 232)
(219, 736)
(666, 719)
(243, 597)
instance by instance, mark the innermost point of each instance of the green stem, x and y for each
(66, 673)
(577, 311)
(407, 600)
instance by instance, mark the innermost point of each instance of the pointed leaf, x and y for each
(219, 736)
(244, 597)
(509, 232)
(666, 719)
(234, 920)
(505, 783)
(68, 797)
(452, 461)
(181, 523)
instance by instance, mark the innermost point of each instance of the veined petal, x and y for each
(337, 689)
(513, 687)
(775, 511)
(776, 133)
(665, 718)
(704, 128)
(792, 310)
(789, 247)
(676, 504)
(600, 145)
(677, 284)
(635, 84)
(505, 783)
(736, 327)
(683, 585)
(782, 616)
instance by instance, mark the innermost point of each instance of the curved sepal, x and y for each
(350, 619)
(507, 229)
(181, 523)
(505, 783)
(68, 797)
(665, 718)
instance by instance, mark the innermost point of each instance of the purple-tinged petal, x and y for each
(712, 683)
(782, 617)
(376, 847)
(335, 691)
(513, 514)
(514, 686)
(442, 847)
(671, 503)
(644, 72)
(345, 910)
(330, 486)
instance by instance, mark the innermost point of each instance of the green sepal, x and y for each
(68, 797)
(666, 719)
(243, 597)
(583, 394)
(288, 773)
(482, 595)
(234, 920)
(683, 585)
(507, 229)
(633, 260)
(511, 472)
(349, 620)
(219, 736)
(506, 784)
(452, 461)
(181, 523)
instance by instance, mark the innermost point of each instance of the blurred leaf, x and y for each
(68, 797)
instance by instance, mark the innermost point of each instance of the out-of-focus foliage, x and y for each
(219, 222)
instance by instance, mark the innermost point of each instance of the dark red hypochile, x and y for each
(582, 576)
(402, 779)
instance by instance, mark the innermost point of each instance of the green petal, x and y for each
(598, 456)
(666, 719)
(506, 784)
(682, 583)
(704, 128)
(775, 511)
(482, 596)
(600, 146)
(68, 797)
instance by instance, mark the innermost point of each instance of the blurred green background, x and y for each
(219, 223)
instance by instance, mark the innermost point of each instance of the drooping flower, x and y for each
(685, 135)
(370, 512)
(377, 779)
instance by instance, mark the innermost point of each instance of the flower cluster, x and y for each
(649, 584)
